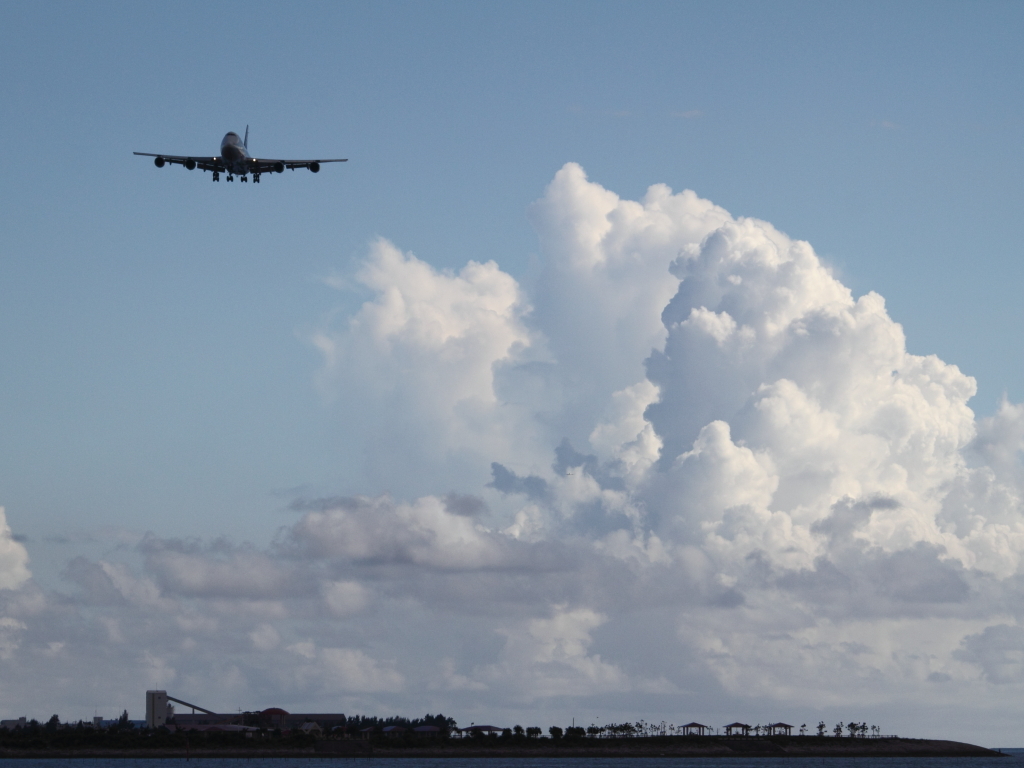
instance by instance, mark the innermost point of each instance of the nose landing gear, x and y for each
(245, 178)
(230, 177)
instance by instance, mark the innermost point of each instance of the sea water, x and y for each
(1012, 757)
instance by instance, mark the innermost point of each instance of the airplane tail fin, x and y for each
(245, 142)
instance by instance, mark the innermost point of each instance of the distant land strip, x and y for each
(652, 746)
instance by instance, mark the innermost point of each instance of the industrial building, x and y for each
(160, 712)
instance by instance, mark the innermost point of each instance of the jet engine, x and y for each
(279, 167)
(314, 167)
(159, 162)
(190, 164)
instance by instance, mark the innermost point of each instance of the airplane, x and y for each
(234, 159)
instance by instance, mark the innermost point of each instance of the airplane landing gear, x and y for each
(255, 178)
(230, 177)
(245, 178)
(216, 175)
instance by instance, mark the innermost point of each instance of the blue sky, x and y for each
(154, 321)
(159, 370)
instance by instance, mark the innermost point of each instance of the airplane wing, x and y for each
(203, 163)
(255, 164)
(263, 165)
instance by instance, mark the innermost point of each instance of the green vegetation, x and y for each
(365, 735)
(57, 737)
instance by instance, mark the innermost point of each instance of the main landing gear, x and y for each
(255, 177)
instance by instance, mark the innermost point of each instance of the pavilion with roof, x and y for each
(737, 729)
(695, 729)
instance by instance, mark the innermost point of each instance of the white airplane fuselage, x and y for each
(234, 154)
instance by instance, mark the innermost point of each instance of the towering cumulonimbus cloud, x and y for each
(700, 397)
(685, 467)
(781, 396)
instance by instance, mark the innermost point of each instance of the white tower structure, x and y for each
(156, 708)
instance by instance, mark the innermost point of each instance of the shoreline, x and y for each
(652, 747)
